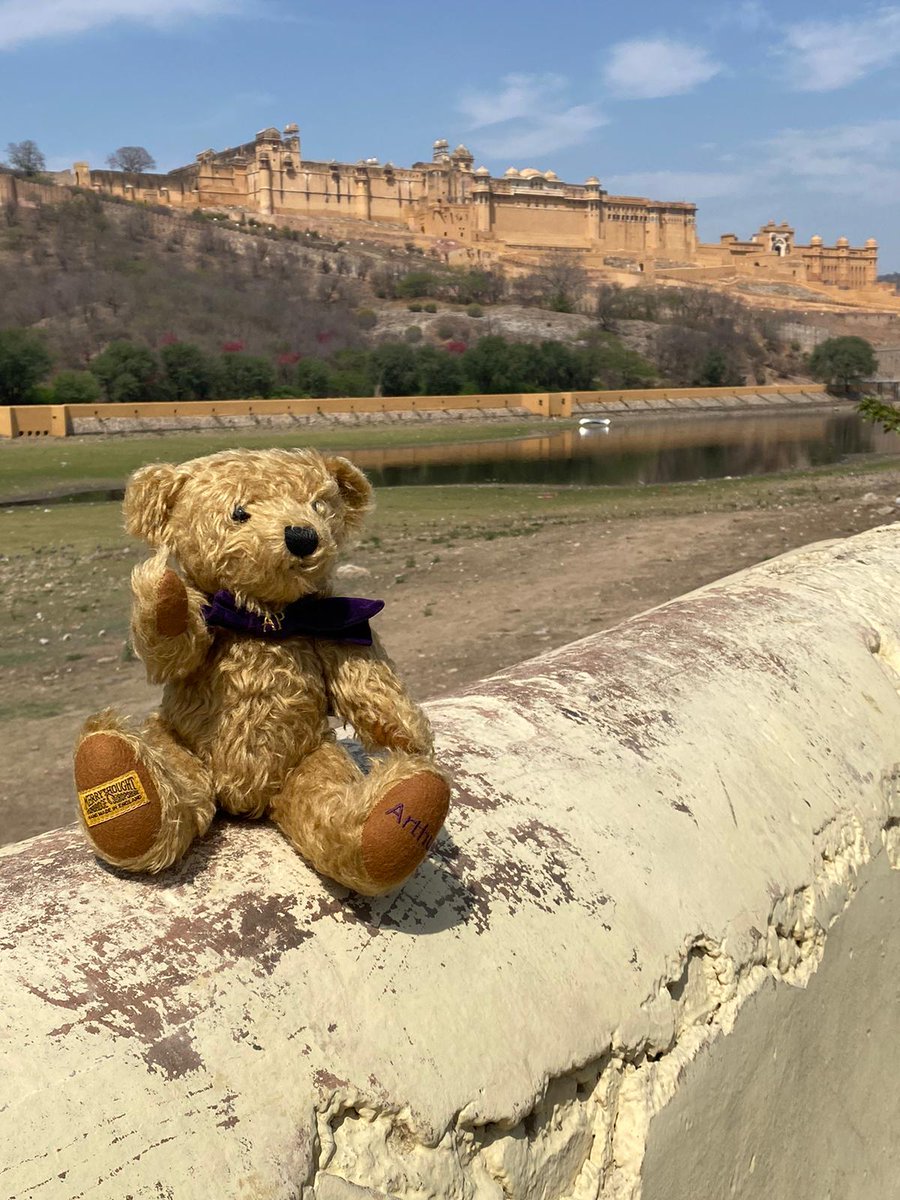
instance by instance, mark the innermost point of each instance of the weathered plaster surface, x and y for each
(651, 826)
(802, 1100)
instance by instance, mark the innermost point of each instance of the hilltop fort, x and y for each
(469, 210)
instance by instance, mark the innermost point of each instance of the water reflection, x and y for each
(645, 451)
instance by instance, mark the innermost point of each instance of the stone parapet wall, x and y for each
(62, 420)
(653, 954)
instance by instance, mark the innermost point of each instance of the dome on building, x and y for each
(531, 172)
(511, 173)
(482, 172)
(441, 144)
(591, 180)
(871, 244)
(461, 149)
(842, 241)
(551, 176)
(292, 128)
(815, 240)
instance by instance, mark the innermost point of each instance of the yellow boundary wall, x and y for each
(55, 420)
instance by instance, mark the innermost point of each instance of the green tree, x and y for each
(843, 362)
(440, 373)
(475, 285)
(24, 362)
(415, 285)
(128, 373)
(243, 376)
(396, 368)
(718, 371)
(76, 387)
(613, 365)
(189, 373)
(561, 369)
(352, 373)
(313, 378)
(877, 410)
(490, 367)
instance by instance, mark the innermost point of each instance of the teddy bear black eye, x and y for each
(240, 514)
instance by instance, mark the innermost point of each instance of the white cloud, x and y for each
(520, 96)
(528, 116)
(27, 20)
(648, 68)
(855, 161)
(824, 55)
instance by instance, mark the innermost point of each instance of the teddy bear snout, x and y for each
(301, 540)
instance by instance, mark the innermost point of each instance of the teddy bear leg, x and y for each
(368, 832)
(143, 797)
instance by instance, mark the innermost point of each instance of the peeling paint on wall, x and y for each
(650, 826)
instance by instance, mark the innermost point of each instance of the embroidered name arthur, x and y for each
(421, 835)
(111, 799)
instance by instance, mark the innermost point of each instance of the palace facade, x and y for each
(522, 213)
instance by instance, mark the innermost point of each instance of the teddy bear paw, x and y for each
(119, 802)
(402, 826)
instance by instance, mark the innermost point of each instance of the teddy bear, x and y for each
(235, 614)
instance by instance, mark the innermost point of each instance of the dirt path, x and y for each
(460, 604)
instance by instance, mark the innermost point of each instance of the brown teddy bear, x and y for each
(255, 651)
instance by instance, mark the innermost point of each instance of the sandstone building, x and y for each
(473, 214)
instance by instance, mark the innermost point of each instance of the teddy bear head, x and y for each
(267, 525)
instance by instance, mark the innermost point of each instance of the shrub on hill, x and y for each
(843, 363)
(414, 285)
(454, 284)
(24, 362)
(188, 373)
(76, 387)
(613, 365)
(92, 271)
(242, 376)
(128, 373)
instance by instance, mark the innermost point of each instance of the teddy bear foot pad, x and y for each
(401, 828)
(119, 802)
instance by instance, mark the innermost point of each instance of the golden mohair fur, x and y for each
(243, 722)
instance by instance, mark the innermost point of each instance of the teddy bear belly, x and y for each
(249, 765)
(252, 722)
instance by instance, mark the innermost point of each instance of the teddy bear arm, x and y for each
(368, 692)
(167, 626)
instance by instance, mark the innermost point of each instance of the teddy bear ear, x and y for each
(149, 496)
(356, 491)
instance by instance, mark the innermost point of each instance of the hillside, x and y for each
(89, 271)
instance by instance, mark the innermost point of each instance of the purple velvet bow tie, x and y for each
(338, 618)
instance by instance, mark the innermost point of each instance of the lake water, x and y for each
(647, 450)
(639, 451)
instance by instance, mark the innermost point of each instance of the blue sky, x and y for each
(752, 109)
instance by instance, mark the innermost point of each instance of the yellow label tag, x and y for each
(111, 799)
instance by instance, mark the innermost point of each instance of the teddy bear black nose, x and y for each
(300, 539)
